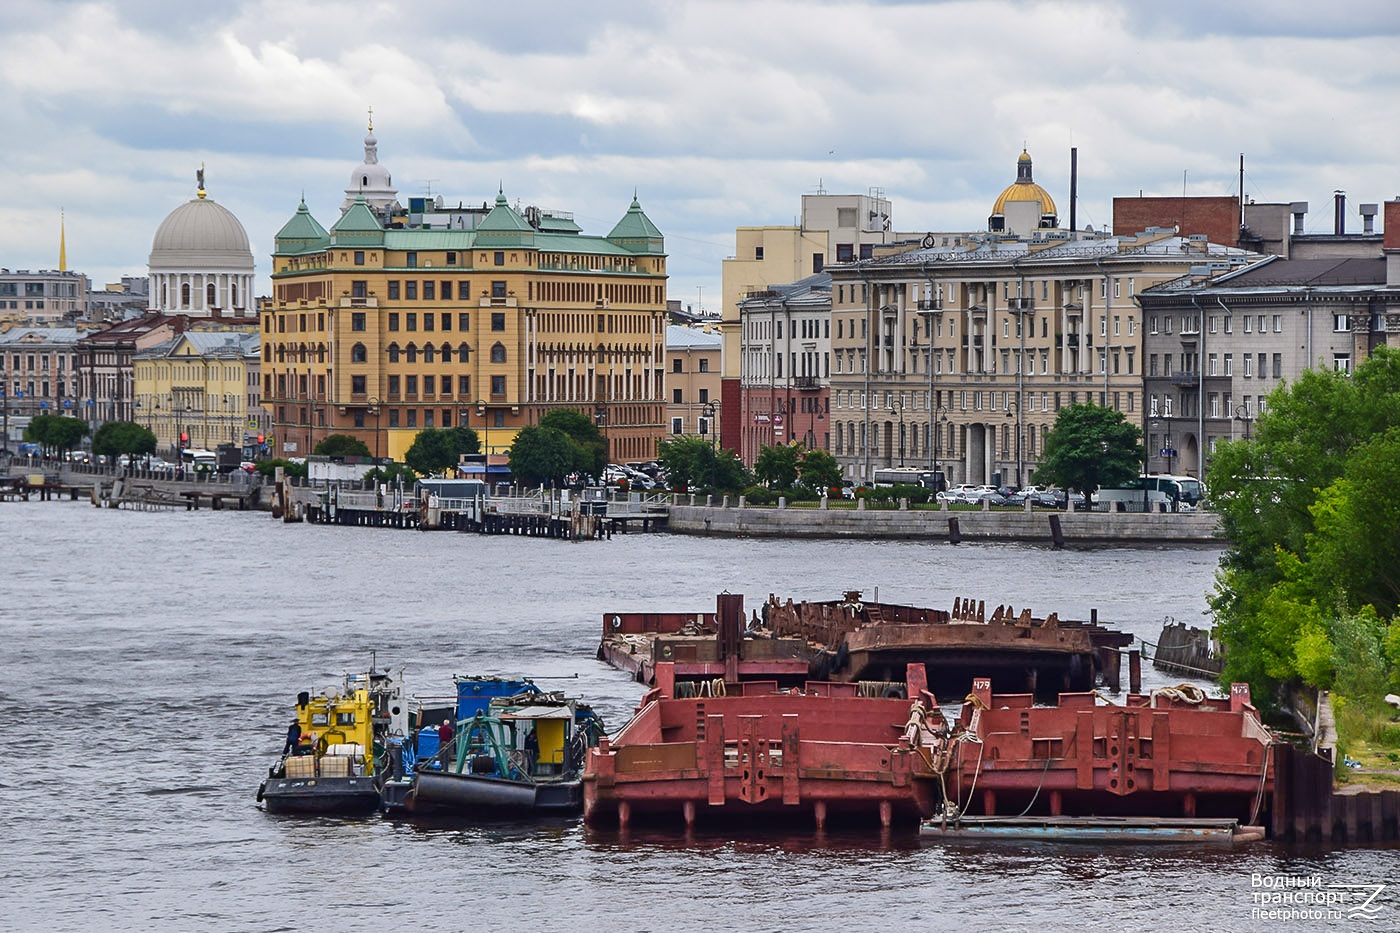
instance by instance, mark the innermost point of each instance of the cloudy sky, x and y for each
(718, 114)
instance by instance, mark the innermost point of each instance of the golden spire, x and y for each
(62, 244)
(371, 119)
(199, 179)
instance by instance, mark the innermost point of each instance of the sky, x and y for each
(716, 114)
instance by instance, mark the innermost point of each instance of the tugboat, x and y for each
(510, 754)
(335, 756)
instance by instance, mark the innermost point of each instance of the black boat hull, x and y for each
(487, 797)
(343, 796)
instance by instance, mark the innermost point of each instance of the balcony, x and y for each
(1184, 379)
(806, 383)
(370, 302)
(930, 304)
(508, 302)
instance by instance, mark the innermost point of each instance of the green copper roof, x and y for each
(504, 227)
(636, 233)
(358, 226)
(301, 234)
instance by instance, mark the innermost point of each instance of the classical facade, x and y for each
(201, 390)
(834, 228)
(693, 368)
(785, 339)
(396, 320)
(39, 373)
(1217, 347)
(44, 296)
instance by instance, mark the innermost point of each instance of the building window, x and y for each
(357, 353)
(359, 257)
(411, 385)
(357, 385)
(498, 385)
(428, 321)
(410, 290)
(464, 386)
(845, 252)
(411, 260)
(429, 291)
(676, 365)
(704, 396)
(393, 289)
(500, 258)
(393, 386)
(498, 352)
(393, 320)
(464, 322)
(677, 424)
(704, 366)
(498, 289)
(498, 320)
(1341, 362)
(676, 397)
(413, 417)
(357, 321)
(451, 258)
(1339, 324)
(464, 291)
(411, 322)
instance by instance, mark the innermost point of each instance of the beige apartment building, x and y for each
(694, 359)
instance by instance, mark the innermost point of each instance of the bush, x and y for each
(892, 494)
(757, 495)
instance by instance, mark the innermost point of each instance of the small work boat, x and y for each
(333, 760)
(515, 750)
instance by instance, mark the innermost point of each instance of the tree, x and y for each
(692, 463)
(1308, 590)
(580, 429)
(819, 470)
(56, 434)
(342, 445)
(432, 452)
(464, 440)
(391, 472)
(117, 438)
(1090, 446)
(542, 454)
(776, 467)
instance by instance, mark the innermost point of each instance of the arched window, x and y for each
(393, 353)
(364, 181)
(233, 294)
(185, 295)
(498, 353)
(209, 295)
(428, 352)
(464, 353)
(412, 352)
(447, 352)
(357, 353)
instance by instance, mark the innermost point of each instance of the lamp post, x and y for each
(600, 419)
(374, 404)
(937, 425)
(1242, 415)
(1013, 410)
(709, 413)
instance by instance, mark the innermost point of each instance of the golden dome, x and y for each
(1024, 189)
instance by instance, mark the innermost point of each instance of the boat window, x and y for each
(319, 719)
(344, 719)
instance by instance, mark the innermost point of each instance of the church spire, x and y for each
(62, 243)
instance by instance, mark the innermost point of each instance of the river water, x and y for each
(148, 663)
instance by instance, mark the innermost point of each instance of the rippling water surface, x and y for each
(148, 663)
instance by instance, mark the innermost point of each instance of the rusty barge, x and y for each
(756, 752)
(1172, 755)
(854, 641)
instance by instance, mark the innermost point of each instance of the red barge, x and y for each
(1171, 755)
(759, 752)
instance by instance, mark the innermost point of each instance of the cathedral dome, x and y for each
(1024, 188)
(200, 233)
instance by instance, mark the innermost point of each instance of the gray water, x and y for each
(148, 663)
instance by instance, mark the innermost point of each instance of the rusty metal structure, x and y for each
(755, 752)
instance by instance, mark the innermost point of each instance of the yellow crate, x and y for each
(301, 766)
(335, 766)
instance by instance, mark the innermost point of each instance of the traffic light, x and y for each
(262, 439)
(184, 439)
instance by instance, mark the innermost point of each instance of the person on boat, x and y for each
(293, 739)
(445, 741)
(532, 750)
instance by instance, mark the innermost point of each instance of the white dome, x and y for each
(201, 234)
(371, 180)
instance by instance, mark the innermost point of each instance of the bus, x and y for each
(1160, 491)
(910, 476)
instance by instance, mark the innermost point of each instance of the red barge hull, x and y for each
(767, 754)
(1173, 753)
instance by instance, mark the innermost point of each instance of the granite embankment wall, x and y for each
(1075, 528)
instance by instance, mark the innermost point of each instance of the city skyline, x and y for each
(717, 115)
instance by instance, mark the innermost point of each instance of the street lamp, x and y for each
(374, 404)
(1013, 410)
(937, 425)
(1242, 414)
(709, 426)
(600, 418)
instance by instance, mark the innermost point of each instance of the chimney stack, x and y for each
(1299, 210)
(1368, 219)
(1339, 212)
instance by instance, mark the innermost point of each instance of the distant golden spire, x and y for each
(371, 119)
(62, 243)
(199, 179)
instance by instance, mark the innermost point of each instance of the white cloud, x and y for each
(720, 114)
